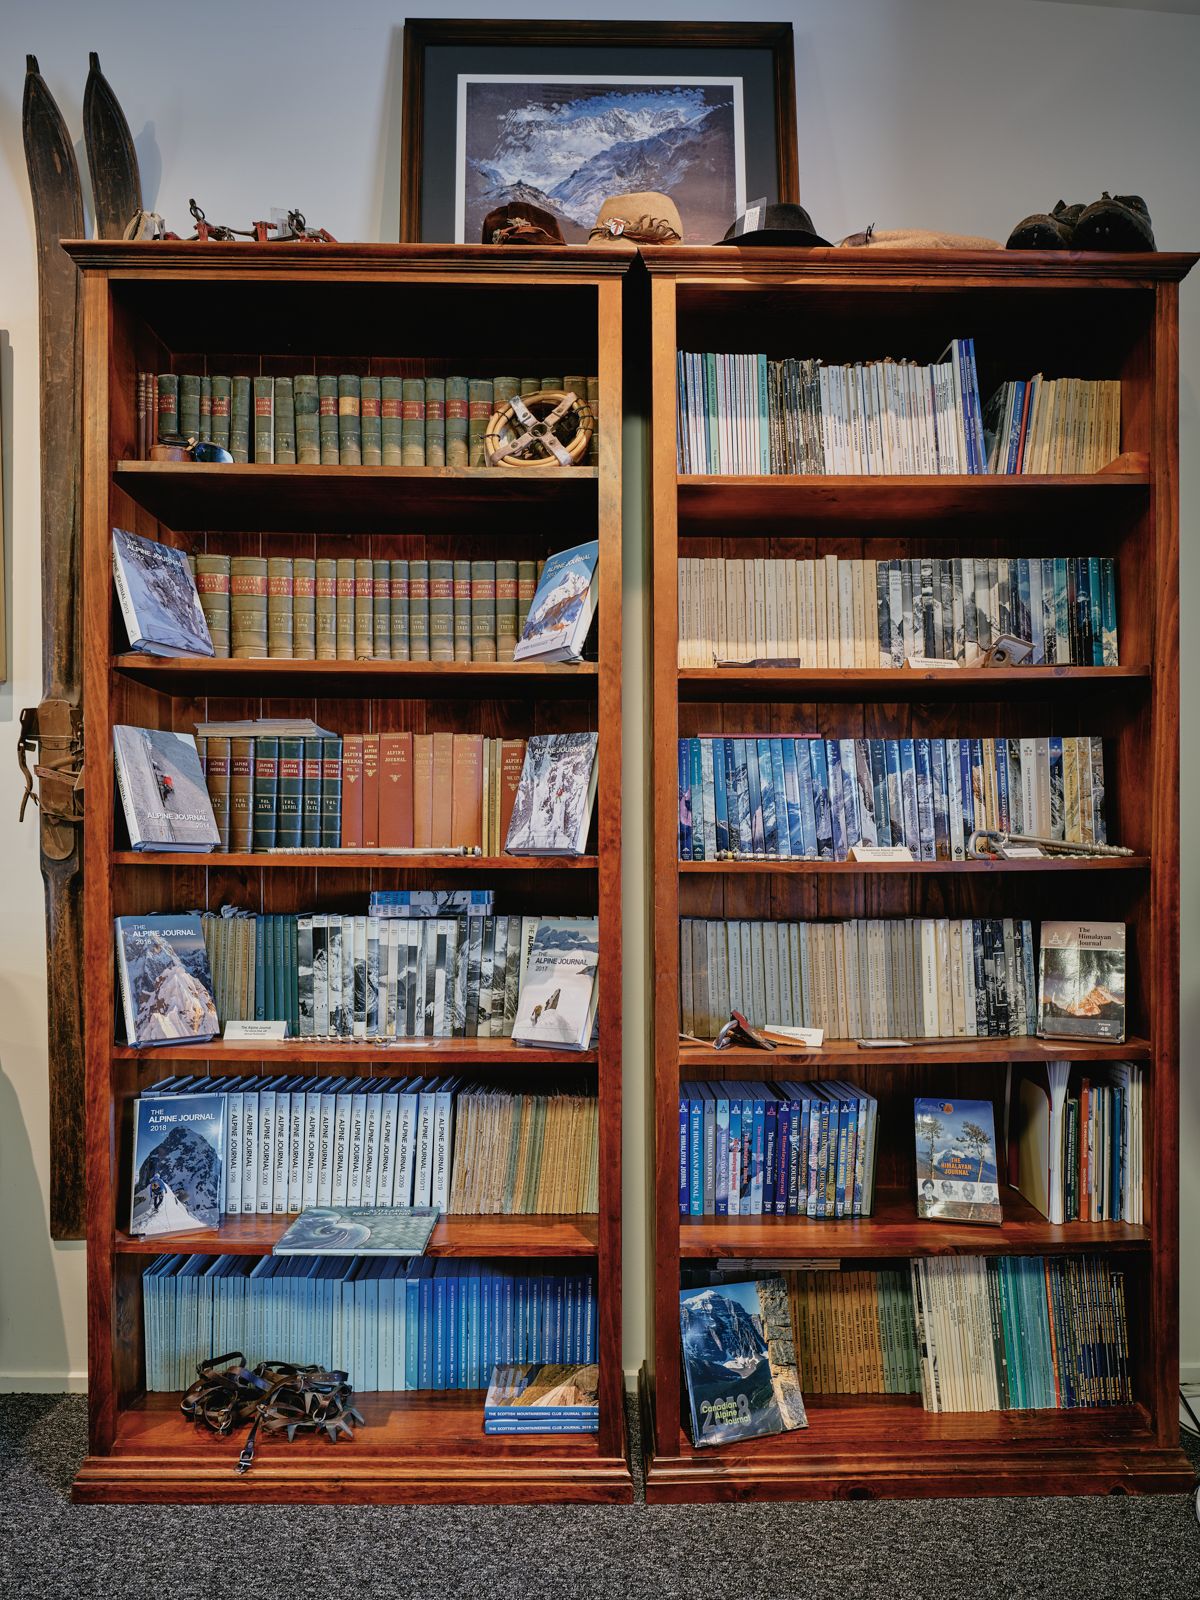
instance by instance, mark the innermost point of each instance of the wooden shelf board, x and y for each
(702, 1061)
(898, 684)
(402, 680)
(884, 1446)
(408, 1056)
(452, 1236)
(191, 496)
(418, 1447)
(895, 1230)
(732, 505)
(918, 868)
(372, 860)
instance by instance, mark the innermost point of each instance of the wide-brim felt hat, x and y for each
(633, 219)
(519, 222)
(779, 224)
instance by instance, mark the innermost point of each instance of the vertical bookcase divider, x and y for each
(1096, 316)
(410, 309)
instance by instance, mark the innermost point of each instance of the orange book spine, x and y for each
(352, 767)
(443, 790)
(466, 819)
(395, 775)
(422, 790)
(370, 791)
(512, 759)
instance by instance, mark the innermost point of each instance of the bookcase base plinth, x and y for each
(863, 1447)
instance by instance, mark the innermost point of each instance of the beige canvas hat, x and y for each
(634, 219)
(917, 239)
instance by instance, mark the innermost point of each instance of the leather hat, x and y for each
(521, 223)
(634, 219)
(781, 224)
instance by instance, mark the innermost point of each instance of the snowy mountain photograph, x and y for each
(567, 143)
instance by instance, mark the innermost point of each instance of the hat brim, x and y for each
(780, 236)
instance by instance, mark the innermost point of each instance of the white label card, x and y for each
(254, 1030)
(922, 663)
(881, 852)
(812, 1037)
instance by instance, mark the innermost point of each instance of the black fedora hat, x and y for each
(774, 224)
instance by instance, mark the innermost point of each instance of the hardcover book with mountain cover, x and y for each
(957, 1174)
(360, 1231)
(1081, 980)
(540, 1398)
(557, 1003)
(157, 594)
(552, 811)
(163, 793)
(178, 1162)
(562, 608)
(739, 1361)
(166, 982)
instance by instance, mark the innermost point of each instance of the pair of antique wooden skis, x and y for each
(55, 726)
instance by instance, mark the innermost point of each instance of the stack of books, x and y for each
(392, 1324)
(542, 1398)
(854, 1331)
(1053, 425)
(776, 1149)
(339, 419)
(780, 799)
(1079, 1146)
(273, 783)
(869, 613)
(911, 977)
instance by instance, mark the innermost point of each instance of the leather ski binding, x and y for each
(55, 730)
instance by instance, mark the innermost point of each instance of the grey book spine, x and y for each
(219, 418)
(248, 607)
(526, 589)
(418, 610)
(349, 419)
(390, 421)
(456, 421)
(364, 610)
(372, 423)
(327, 419)
(479, 411)
(506, 610)
(462, 611)
(435, 422)
(168, 405)
(326, 609)
(412, 423)
(381, 604)
(285, 423)
(212, 585)
(483, 611)
(205, 429)
(400, 604)
(304, 608)
(345, 608)
(264, 420)
(307, 404)
(279, 607)
(441, 611)
(240, 406)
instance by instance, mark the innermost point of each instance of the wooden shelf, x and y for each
(866, 1447)
(702, 1061)
(413, 1055)
(193, 497)
(895, 1231)
(399, 680)
(371, 860)
(553, 1236)
(915, 868)
(419, 1447)
(730, 506)
(891, 684)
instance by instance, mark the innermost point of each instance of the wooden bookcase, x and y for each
(476, 309)
(1092, 316)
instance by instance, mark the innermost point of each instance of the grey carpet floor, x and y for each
(977, 1549)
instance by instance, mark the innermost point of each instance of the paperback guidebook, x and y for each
(562, 608)
(166, 983)
(163, 792)
(360, 1231)
(178, 1161)
(157, 594)
(542, 1398)
(557, 1005)
(552, 811)
(1082, 980)
(739, 1361)
(957, 1177)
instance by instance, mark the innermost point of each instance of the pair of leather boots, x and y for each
(1114, 222)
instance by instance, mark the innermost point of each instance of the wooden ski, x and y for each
(112, 160)
(56, 724)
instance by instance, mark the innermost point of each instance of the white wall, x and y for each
(942, 113)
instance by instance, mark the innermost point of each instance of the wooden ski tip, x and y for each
(93, 61)
(31, 64)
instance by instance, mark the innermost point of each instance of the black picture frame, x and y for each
(437, 50)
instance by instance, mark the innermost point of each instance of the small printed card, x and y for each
(880, 852)
(253, 1030)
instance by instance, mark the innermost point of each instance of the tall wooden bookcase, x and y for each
(387, 309)
(1091, 316)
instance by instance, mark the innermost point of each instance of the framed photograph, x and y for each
(574, 113)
